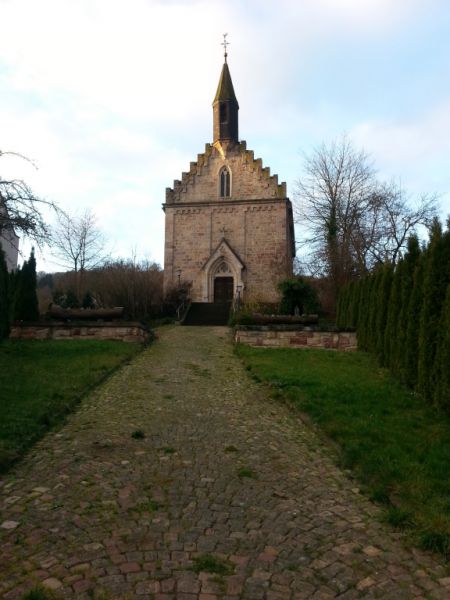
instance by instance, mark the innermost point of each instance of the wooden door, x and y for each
(223, 289)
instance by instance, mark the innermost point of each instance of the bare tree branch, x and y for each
(79, 243)
(352, 221)
(20, 208)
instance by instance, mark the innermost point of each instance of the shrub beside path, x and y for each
(221, 493)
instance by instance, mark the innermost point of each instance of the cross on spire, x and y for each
(225, 44)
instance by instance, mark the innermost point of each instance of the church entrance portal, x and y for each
(223, 289)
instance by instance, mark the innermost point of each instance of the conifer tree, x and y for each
(441, 374)
(437, 276)
(410, 263)
(342, 307)
(363, 313)
(392, 317)
(4, 296)
(339, 316)
(356, 293)
(384, 294)
(373, 308)
(349, 304)
(25, 297)
(413, 324)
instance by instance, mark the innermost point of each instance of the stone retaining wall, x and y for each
(276, 338)
(125, 332)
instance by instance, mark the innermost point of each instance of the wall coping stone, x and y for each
(270, 337)
(127, 331)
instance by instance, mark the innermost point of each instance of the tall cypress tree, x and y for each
(441, 371)
(381, 320)
(356, 293)
(373, 309)
(413, 324)
(350, 301)
(392, 317)
(363, 313)
(339, 312)
(410, 263)
(437, 276)
(25, 297)
(342, 306)
(4, 297)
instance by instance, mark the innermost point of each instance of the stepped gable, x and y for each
(251, 181)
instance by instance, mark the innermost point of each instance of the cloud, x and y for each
(113, 99)
(416, 150)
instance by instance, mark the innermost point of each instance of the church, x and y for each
(229, 228)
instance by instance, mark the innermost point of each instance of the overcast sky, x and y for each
(112, 98)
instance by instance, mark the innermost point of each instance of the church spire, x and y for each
(225, 105)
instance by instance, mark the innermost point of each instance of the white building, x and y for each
(10, 244)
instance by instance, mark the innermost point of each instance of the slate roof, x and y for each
(225, 90)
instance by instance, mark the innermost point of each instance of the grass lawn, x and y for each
(397, 447)
(41, 381)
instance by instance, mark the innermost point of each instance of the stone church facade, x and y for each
(228, 222)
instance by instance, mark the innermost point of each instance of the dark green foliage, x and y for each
(38, 593)
(138, 434)
(66, 300)
(342, 307)
(410, 263)
(436, 279)
(298, 293)
(413, 325)
(373, 308)
(402, 317)
(71, 300)
(390, 336)
(4, 297)
(345, 306)
(25, 297)
(210, 564)
(441, 373)
(384, 294)
(88, 301)
(436, 541)
(363, 313)
(354, 304)
(244, 472)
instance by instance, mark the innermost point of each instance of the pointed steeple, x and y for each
(225, 106)
(225, 89)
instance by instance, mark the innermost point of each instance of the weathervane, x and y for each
(225, 44)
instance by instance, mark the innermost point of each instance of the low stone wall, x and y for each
(284, 337)
(125, 332)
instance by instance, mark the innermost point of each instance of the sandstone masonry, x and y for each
(228, 218)
(289, 338)
(125, 332)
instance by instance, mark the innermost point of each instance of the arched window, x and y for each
(225, 183)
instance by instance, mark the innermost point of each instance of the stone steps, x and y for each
(207, 313)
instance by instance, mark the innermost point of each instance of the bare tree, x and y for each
(351, 221)
(79, 243)
(135, 285)
(20, 208)
(332, 196)
(382, 234)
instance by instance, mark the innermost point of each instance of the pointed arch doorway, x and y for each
(223, 284)
(222, 274)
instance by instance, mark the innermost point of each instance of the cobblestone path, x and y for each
(222, 471)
